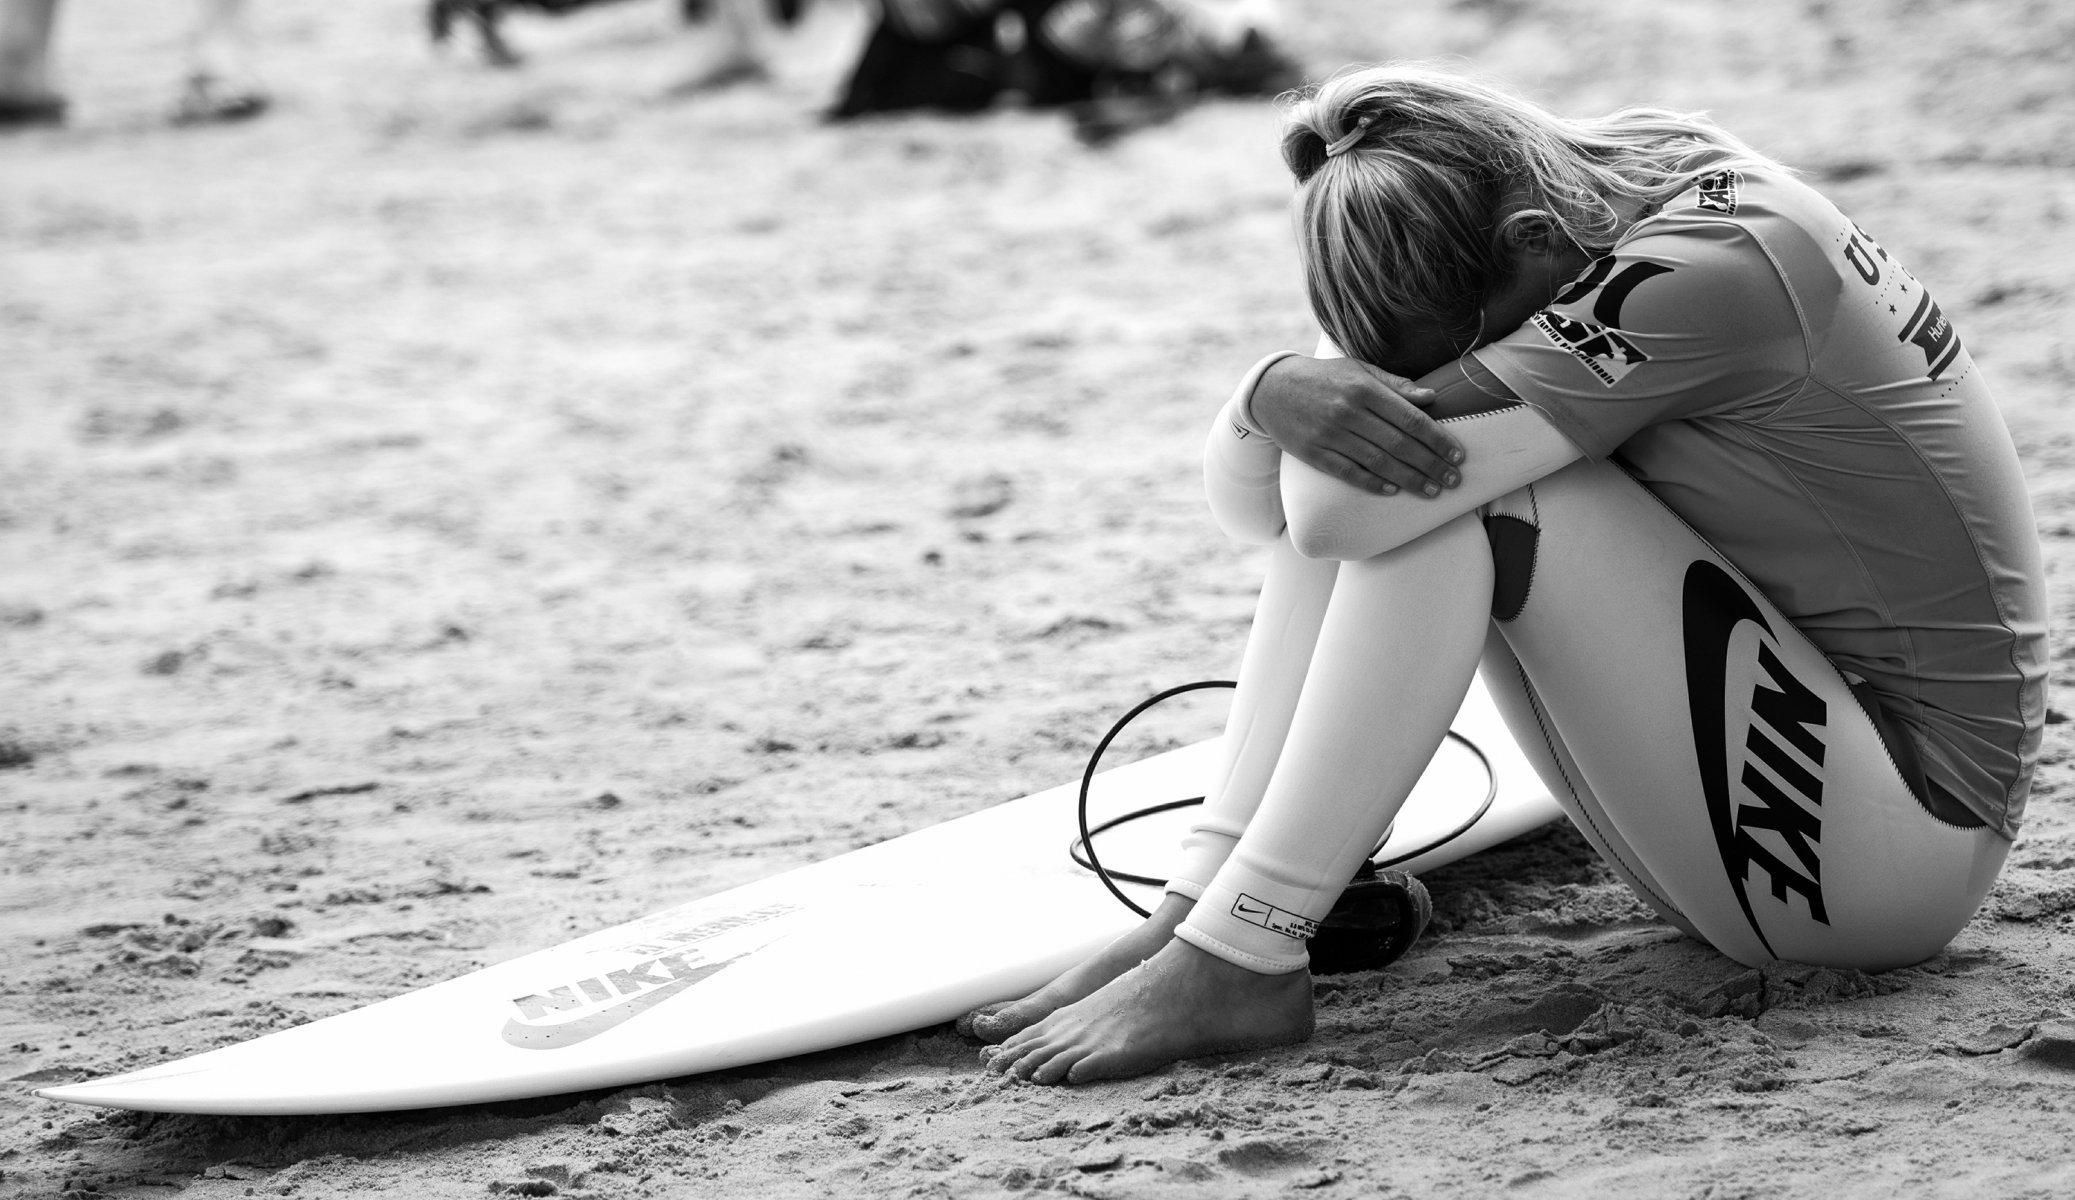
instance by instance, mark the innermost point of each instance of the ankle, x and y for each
(1173, 909)
(1224, 973)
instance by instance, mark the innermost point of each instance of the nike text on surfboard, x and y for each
(629, 991)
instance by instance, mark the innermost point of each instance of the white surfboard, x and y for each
(898, 936)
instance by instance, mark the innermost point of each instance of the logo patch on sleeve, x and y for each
(1718, 192)
(1606, 352)
(1933, 334)
(1273, 919)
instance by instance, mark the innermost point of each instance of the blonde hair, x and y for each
(1411, 179)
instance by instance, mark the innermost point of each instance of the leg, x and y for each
(28, 94)
(1536, 734)
(1732, 764)
(1279, 649)
(736, 54)
(1396, 649)
(222, 78)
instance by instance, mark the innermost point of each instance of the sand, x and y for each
(464, 509)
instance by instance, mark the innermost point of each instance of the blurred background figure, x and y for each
(735, 52)
(28, 94)
(221, 84)
(1115, 64)
(223, 67)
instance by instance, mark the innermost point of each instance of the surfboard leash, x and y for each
(1378, 917)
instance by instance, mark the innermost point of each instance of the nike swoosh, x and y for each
(1713, 605)
(569, 1033)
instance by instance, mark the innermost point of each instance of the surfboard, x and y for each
(898, 936)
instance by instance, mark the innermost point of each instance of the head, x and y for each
(1436, 212)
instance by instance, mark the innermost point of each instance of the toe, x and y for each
(1024, 1036)
(970, 1024)
(1000, 1023)
(1032, 1060)
(1087, 1068)
(1058, 1068)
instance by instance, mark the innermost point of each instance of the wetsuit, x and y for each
(1766, 607)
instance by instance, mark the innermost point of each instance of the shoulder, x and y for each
(1689, 314)
(1717, 258)
(1762, 224)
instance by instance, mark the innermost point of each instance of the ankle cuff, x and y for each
(1258, 964)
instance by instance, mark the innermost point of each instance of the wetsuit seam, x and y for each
(1801, 323)
(2011, 638)
(1866, 575)
(1534, 705)
(1810, 379)
(1804, 332)
(1534, 558)
(1737, 573)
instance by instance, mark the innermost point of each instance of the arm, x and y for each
(1242, 468)
(1507, 445)
(1357, 422)
(1256, 491)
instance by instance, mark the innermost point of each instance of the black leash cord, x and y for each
(1491, 795)
(1086, 844)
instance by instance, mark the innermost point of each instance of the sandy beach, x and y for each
(463, 509)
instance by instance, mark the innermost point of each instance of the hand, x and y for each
(1357, 423)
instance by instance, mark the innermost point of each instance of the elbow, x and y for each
(1251, 529)
(1250, 516)
(1330, 519)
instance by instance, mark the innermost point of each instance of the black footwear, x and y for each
(21, 112)
(208, 100)
(963, 73)
(1374, 923)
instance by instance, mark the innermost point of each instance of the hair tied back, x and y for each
(1348, 140)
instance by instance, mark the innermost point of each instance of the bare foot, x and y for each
(1181, 1003)
(993, 1022)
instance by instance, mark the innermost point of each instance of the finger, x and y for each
(1380, 443)
(1350, 470)
(1399, 405)
(1404, 386)
(1381, 459)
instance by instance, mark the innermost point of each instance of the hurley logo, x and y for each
(1933, 334)
(1607, 353)
(1784, 799)
(1599, 344)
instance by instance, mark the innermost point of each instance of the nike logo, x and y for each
(1255, 911)
(1785, 800)
(563, 1034)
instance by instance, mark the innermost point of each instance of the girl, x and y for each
(1704, 483)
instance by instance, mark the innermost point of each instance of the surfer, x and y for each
(1694, 471)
